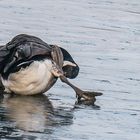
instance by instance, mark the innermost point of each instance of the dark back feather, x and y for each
(7, 51)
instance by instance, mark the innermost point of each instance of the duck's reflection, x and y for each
(34, 113)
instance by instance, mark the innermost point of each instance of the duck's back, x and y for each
(30, 45)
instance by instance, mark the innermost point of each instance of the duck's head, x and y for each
(70, 68)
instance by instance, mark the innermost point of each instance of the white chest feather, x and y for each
(33, 79)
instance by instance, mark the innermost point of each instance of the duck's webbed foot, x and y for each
(80, 94)
(87, 95)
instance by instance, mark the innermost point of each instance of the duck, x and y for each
(30, 66)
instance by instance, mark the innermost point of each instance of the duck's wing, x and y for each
(23, 41)
(3, 54)
(22, 48)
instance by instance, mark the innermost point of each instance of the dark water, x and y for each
(103, 36)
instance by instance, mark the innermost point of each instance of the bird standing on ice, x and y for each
(29, 66)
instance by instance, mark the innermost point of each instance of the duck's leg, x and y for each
(80, 94)
(58, 72)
